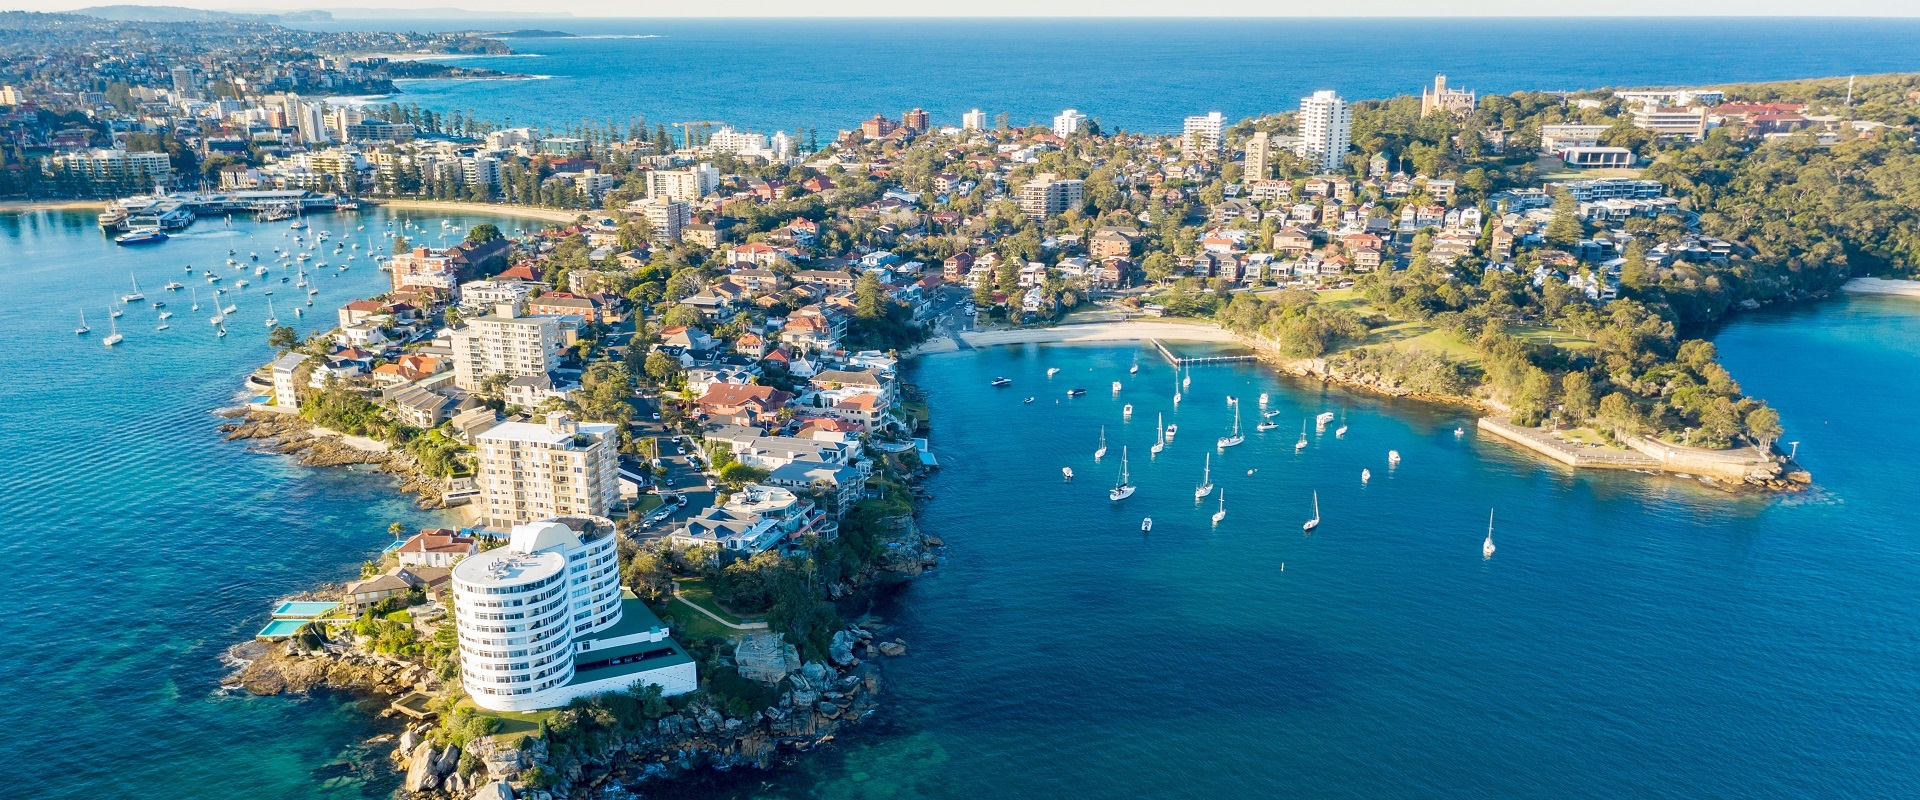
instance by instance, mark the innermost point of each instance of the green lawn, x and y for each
(514, 725)
(644, 504)
(695, 626)
(1555, 169)
(696, 591)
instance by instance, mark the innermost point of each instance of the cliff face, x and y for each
(288, 434)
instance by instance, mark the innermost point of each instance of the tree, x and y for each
(1763, 424)
(400, 245)
(737, 475)
(1564, 230)
(1634, 272)
(283, 338)
(1578, 395)
(484, 232)
(682, 315)
(662, 368)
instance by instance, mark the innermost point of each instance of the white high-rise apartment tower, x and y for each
(975, 120)
(1326, 130)
(504, 343)
(1068, 123)
(1202, 134)
(559, 468)
(542, 621)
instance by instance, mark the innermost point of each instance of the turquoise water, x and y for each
(1138, 74)
(1631, 637)
(138, 544)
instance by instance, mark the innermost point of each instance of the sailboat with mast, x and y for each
(1176, 390)
(1123, 489)
(1301, 444)
(1206, 480)
(195, 294)
(1102, 452)
(1315, 522)
(135, 296)
(271, 319)
(1486, 547)
(1159, 434)
(1233, 438)
(83, 329)
(1222, 513)
(113, 337)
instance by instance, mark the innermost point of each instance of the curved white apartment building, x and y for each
(543, 620)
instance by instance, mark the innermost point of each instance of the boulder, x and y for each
(448, 759)
(841, 651)
(493, 790)
(893, 648)
(407, 741)
(815, 672)
(420, 769)
(765, 657)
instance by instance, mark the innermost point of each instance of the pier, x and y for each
(1180, 361)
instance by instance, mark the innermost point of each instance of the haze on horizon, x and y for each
(1022, 8)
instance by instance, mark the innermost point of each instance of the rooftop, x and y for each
(503, 567)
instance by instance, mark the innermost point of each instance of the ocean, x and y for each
(1632, 635)
(1136, 74)
(140, 543)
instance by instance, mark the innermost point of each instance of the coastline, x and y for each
(27, 206)
(556, 215)
(1882, 286)
(1730, 469)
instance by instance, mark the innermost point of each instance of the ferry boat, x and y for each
(141, 236)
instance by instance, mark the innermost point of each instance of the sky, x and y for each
(1062, 8)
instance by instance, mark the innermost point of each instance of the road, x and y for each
(687, 479)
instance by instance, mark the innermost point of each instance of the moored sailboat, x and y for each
(1206, 480)
(1309, 525)
(1123, 489)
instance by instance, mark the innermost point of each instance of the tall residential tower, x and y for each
(1326, 130)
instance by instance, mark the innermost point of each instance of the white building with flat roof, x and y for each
(1202, 133)
(530, 470)
(1326, 131)
(1068, 123)
(285, 388)
(543, 621)
(975, 120)
(505, 342)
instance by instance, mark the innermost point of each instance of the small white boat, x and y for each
(1116, 387)
(1186, 382)
(174, 286)
(1459, 432)
(242, 283)
(1206, 480)
(1302, 443)
(1266, 425)
(271, 319)
(1486, 547)
(114, 312)
(1028, 401)
(1233, 401)
(1001, 381)
(196, 300)
(83, 329)
(1309, 525)
(1222, 513)
(1171, 430)
(1365, 475)
(1134, 369)
(1340, 432)
(1146, 524)
(1126, 411)
(1263, 399)
(165, 314)
(1102, 452)
(1123, 489)
(1322, 420)
(135, 296)
(1393, 458)
(1052, 371)
(223, 332)
(113, 335)
(1067, 473)
(163, 326)
(1159, 435)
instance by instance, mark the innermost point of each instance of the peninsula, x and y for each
(675, 418)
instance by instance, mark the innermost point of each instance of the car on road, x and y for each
(669, 481)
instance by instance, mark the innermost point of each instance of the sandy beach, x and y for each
(1129, 331)
(1883, 286)
(24, 206)
(502, 209)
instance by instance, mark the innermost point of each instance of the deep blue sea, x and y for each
(1631, 637)
(1136, 74)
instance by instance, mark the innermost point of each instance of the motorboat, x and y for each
(140, 236)
(998, 382)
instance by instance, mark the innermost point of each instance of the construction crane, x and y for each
(686, 129)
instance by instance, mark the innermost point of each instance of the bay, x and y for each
(137, 544)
